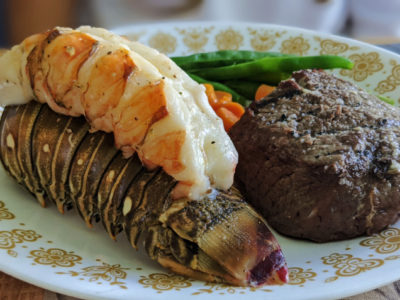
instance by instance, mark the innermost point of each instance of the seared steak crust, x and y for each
(319, 158)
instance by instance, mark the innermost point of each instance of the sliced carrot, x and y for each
(230, 112)
(212, 97)
(263, 91)
(228, 117)
(236, 108)
(223, 97)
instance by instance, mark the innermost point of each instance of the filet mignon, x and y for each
(319, 158)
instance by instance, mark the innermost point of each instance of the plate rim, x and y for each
(169, 23)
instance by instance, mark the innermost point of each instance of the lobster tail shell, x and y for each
(217, 227)
(113, 186)
(15, 146)
(94, 154)
(218, 238)
(52, 149)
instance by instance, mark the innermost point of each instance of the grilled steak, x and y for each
(319, 158)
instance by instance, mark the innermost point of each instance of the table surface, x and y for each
(11, 288)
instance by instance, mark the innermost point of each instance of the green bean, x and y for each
(274, 64)
(271, 78)
(220, 58)
(221, 87)
(245, 88)
(387, 99)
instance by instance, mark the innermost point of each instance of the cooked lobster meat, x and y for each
(218, 237)
(150, 105)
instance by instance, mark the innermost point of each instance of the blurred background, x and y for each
(370, 20)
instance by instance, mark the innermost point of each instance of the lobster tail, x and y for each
(216, 238)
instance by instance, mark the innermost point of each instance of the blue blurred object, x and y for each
(3, 25)
(392, 47)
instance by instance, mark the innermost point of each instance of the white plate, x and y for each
(59, 253)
